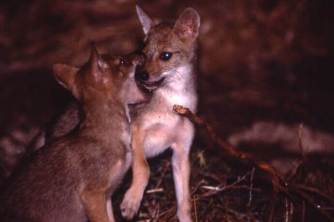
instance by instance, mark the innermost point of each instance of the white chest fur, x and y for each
(160, 123)
(179, 88)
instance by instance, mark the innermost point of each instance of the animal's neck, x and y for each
(101, 118)
(180, 80)
(179, 88)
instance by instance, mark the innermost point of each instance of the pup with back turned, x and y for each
(169, 73)
(72, 177)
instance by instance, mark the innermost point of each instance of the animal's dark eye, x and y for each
(124, 61)
(121, 61)
(165, 56)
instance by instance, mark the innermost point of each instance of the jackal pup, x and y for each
(169, 73)
(73, 177)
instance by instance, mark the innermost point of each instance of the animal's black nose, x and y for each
(141, 75)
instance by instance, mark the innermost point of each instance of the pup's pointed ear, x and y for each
(97, 64)
(65, 75)
(187, 25)
(95, 60)
(144, 19)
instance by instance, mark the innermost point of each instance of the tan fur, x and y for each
(155, 127)
(73, 177)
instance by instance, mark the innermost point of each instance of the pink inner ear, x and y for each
(185, 29)
(189, 29)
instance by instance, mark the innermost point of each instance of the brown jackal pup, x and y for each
(168, 72)
(73, 177)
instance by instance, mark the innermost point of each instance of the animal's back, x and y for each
(41, 191)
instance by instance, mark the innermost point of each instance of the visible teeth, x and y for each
(152, 85)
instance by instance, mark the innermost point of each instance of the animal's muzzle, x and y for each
(141, 75)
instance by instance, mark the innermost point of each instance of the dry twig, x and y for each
(280, 186)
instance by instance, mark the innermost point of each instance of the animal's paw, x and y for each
(130, 204)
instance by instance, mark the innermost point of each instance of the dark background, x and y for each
(258, 60)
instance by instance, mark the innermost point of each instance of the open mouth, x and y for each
(152, 85)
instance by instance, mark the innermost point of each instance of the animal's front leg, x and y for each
(95, 205)
(110, 211)
(140, 177)
(181, 173)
